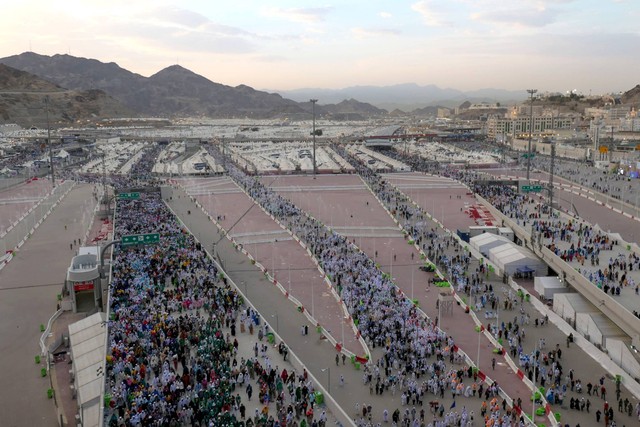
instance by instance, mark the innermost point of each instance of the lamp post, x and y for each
(313, 110)
(328, 370)
(533, 406)
(478, 358)
(46, 103)
(277, 322)
(531, 93)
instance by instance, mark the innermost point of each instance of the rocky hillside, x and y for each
(23, 95)
(173, 91)
(631, 97)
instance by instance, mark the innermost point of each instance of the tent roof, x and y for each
(87, 337)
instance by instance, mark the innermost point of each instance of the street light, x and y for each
(478, 358)
(46, 103)
(531, 92)
(328, 370)
(277, 322)
(313, 110)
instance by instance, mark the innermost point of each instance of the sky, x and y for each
(553, 45)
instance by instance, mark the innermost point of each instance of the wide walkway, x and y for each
(317, 354)
(28, 288)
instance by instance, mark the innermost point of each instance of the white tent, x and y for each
(569, 305)
(548, 286)
(598, 327)
(62, 154)
(485, 241)
(7, 171)
(513, 259)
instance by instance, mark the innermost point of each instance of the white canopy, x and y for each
(485, 241)
(511, 259)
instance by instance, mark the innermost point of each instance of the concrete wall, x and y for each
(622, 355)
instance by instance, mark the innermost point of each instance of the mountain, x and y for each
(408, 96)
(350, 109)
(173, 91)
(632, 96)
(23, 101)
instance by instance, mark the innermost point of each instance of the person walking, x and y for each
(493, 363)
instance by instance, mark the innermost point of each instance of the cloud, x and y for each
(310, 15)
(385, 15)
(362, 33)
(525, 17)
(434, 13)
(517, 13)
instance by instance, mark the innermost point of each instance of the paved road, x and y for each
(28, 288)
(587, 209)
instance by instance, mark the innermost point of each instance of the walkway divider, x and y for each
(300, 307)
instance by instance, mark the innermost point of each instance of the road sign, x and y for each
(128, 196)
(527, 155)
(140, 239)
(532, 188)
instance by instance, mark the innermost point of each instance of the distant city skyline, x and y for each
(552, 45)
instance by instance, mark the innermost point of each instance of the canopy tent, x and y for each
(510, 257)
(569, 305)
(547, 287)
(87, 337)
(62, 154)
(485, 241)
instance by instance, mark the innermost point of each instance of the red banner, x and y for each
(82, 286)
(520, 374)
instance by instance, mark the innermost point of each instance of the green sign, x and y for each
(532, 188)
(140, 239)
(128, 196)
(527, 155)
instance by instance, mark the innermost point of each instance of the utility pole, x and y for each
(313, 110)
(553, 161)
(531, 93)
(46, 103)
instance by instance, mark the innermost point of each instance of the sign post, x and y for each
(140, 239)
(531, 188)
(128, 196)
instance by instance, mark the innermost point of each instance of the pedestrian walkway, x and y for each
(28, 288)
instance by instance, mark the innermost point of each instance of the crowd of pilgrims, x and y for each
(414, 350)
(172, 358)
(172, 354)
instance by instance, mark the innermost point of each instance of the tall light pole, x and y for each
(46, 103)
(313, 111)
(531, 93)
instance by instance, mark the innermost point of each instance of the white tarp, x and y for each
(87, 338)
(485, 241)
